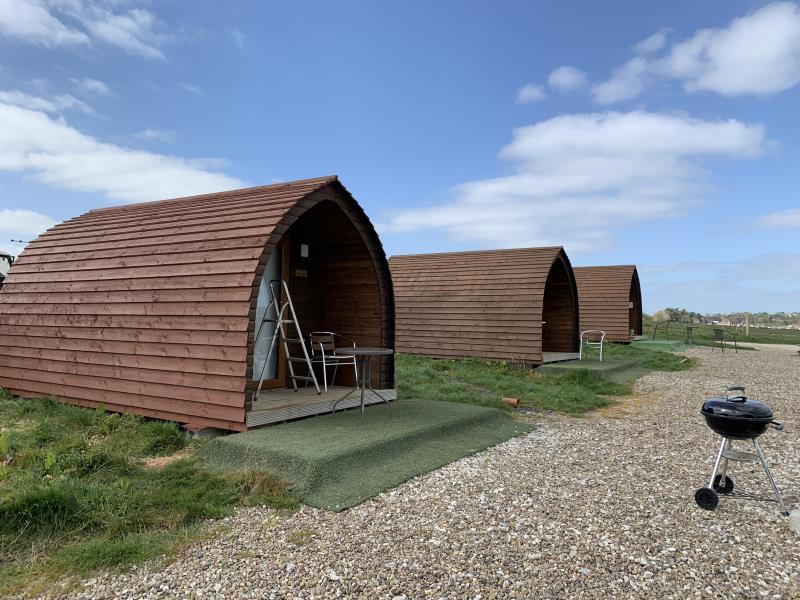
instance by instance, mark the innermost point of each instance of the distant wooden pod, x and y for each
(611, 300)
(150, 308)
(519, 305)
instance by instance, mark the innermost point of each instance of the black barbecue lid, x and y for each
(738, 407)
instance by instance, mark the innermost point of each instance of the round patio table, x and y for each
(363, 357)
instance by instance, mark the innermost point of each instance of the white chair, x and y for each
(592, 338)
(323, 351)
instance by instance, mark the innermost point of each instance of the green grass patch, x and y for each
(704, 334)
(485, 383)
(572, 387)
(77, 492)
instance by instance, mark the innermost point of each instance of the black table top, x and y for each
(364, 351)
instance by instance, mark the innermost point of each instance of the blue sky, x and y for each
(661, 134)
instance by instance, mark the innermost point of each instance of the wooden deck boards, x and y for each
(274, 406)
(550, 357)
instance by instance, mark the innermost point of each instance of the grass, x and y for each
(77, 494)
(334, 461)
(80, 489)
(485, 383)
(704, 334)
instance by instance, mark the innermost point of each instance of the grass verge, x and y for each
(485, 383)
(572, 391)
(704, 334)
(77, 494)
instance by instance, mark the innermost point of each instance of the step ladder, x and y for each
(280, 301)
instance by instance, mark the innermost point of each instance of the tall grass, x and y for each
(76, 492)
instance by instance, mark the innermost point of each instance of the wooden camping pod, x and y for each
(495, 304)
(150, 308)
(610, 300)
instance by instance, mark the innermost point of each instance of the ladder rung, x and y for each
(295, 359)
(291, 340)
(301, 378)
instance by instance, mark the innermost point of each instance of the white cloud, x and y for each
(55, 104)
(530, 93)
(31, 21)
(238, 36)
(566, 79)
(134, 31)
(654, 43)
(159, 135)
(53, 152)
(626, 82)
(192, 89)
(24, 222)
(54, 23)
(787, 219)
(578, 178)
(758, 54)
(92, 87)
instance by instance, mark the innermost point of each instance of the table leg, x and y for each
(381, 397)
(345, 397)
(365, 364)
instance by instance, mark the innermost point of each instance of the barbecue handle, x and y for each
(777, 425)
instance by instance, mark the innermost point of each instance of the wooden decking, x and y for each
(274, 406)
(551, 357)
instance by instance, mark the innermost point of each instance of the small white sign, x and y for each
(303, 250)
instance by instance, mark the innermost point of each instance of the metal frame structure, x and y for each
(719, 336)
(719, 480)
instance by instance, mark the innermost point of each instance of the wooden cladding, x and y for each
(149, 308)
(610, 300)
(489, 304)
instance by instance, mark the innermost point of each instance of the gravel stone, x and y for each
(595, 507)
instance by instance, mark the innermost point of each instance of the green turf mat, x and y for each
(612, 369)
(661, 345)
(334, 462)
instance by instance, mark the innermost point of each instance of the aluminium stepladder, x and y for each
(280, 303)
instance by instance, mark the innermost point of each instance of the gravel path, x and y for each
(593, 507)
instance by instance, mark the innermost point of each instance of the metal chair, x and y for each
(719, 336)
(590, 339)
(323, 351)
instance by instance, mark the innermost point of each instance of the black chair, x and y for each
(719, 336)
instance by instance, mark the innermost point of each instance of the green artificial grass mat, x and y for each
(661, 345)
(613, 369)
(334, 462)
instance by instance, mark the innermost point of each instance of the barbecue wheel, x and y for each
(706, 498)
(721, 487)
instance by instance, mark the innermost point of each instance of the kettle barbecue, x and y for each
(736, 417)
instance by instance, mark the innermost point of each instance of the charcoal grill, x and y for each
(736, 417)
